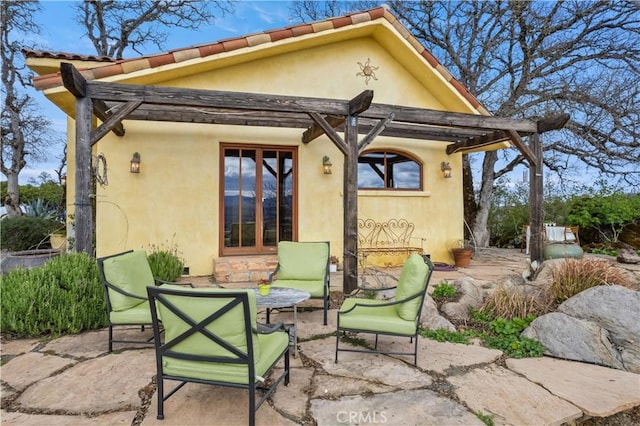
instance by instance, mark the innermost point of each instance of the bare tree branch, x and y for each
(533, 59)
(113, 26)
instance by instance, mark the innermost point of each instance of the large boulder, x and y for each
(617, 310)
(628, 255)
(599, 325)
(471, 298)
(431, 318)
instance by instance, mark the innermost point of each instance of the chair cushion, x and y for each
(302, 260)
(131, 273)
(374, 318)
(272, 346)
(314, 287)
(139, 314)
(413, 280)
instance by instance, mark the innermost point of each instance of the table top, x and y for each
(281, 297)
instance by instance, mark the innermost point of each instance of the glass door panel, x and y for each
(258, 201)
(240, 198)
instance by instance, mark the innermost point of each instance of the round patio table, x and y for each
(282, 297)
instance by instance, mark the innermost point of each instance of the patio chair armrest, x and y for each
(406, 299)
(274, 273)
(364, 305)
(161, 282)
(270, 328)
(123, 292)
(359, 289)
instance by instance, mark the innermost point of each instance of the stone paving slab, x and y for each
(510, 398)
(23, 419)
(598, 391)
(197, 404)
(292, 399)
(436, 356)
(411, 407)
(358, 366)
(86, 345)
(31, 367)
(327, 385)
(98, 385)
(17, 347)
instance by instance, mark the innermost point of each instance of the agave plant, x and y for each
(40, 208)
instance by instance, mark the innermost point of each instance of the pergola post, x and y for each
(350, 273)
(536, 200)
(83, 209)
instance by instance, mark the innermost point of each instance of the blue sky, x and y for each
(60, 33)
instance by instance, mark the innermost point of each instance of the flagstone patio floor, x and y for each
(73, 380)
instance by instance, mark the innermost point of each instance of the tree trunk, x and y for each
(480, 226)
(468, 194)
(12, 200)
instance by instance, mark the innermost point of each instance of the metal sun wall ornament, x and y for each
(367, 71)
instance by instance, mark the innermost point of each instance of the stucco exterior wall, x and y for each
(174, 199)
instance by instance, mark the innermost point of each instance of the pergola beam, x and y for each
(552, 123)
(450, 119)
(181, 97)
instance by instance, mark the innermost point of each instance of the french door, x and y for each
(258, 198)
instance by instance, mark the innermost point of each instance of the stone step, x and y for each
(233, 269)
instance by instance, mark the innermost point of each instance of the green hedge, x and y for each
(26, 233)
(64, 296)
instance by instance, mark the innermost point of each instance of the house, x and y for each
(220, 186)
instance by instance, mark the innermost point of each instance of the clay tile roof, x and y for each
(124, 66)
(63, 55)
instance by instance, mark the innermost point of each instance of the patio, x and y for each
(74, 380)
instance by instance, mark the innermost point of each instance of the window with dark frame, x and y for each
(389, 170)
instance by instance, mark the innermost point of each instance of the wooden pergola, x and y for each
(112, 103)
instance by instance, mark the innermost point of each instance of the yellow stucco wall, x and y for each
(174, 199)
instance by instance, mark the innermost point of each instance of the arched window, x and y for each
(388, 170)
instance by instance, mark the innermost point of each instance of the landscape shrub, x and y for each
(608, 212)
(572, 276)
(165, 262)
(64, 296)
(26, 233)
(444, 289)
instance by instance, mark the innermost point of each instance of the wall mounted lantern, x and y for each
(446, 169)
(135, 163)
(326, 165)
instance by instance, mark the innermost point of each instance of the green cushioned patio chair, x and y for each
(304, 266)
(125, 277)
(400, 317)
(211, 337)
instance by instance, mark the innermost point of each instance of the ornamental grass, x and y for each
(573, 276)
(515, 302)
